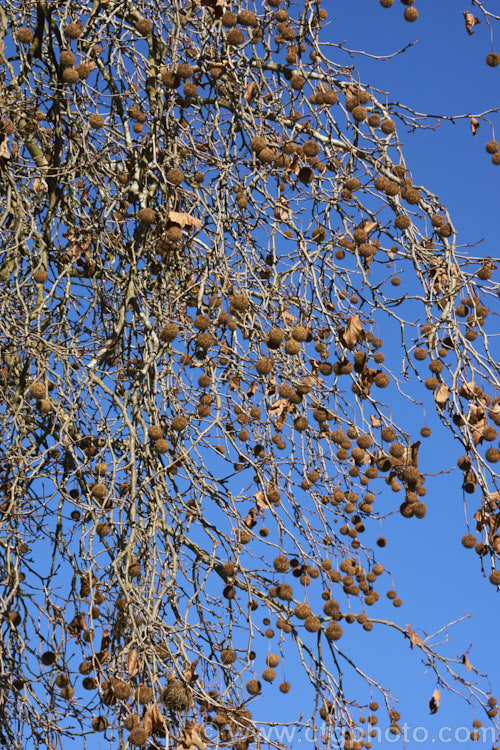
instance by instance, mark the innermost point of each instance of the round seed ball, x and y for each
(268, 675)
(312, 624)
(96, 121)
(411, 14)
(493, 59)
(138, 737)
(38, 390)
(254, 687)
(175, 176)
(25, 36)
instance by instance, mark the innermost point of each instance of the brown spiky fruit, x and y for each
(155, 432)
(410, 14)
(170, 79)
(312, 624)
(138, 736)
(143, 694)
(99, 490)
(131, 721)
(254, 687)
(96, 121)
(495, 577)
(239, 303)
(235, 37)
(275, 338)
(41, 276)
(38, 390)
(73, 30)
(25, 35)
(169, 332)
(175, 176)
(493, 59)
(161, 445)
(303, 610)
(333, 631)
(144, 26)
(146, 215)
(67, 59)
(176, 695)
(99, 723)
(469, 541)
(264, 365)
(70, 75)
(269, 674)
(228, 656)
(281, 564)
(48, 658)
(103, 529)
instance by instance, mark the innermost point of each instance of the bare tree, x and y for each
(206, 225)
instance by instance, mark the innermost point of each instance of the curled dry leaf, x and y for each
(4, 150)
(435, 701)
(474, 125)
(184, 220)
(250, 92)
(466, 663)
(133, 663)
(153, 722)
(470, 21)
(375, 421)
(368, 225)
(260, 501)
(415, 639)
(288, 318)
(441, 395)
(354, 332)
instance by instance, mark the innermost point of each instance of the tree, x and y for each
(214, 261)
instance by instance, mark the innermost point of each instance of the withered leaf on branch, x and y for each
(250, 92)
(184, 219)
(435, 701)
(415, 639)
(466, 663)
(474, 125)
(353, 332)
(441, 395)
(470, 21)
(4, 150)
(154, 722)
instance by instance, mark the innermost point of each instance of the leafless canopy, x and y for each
(217, 277)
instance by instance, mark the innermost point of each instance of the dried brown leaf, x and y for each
(184, 220)
(375, 421)
(474, 125)
(153, 721)
(467, 663)
(441, 395)
(354, 332)
(470, 21)
(435, 701)
(368, 225)
(4, 150)
(250, 91)
(415, 639)
(133, 663)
